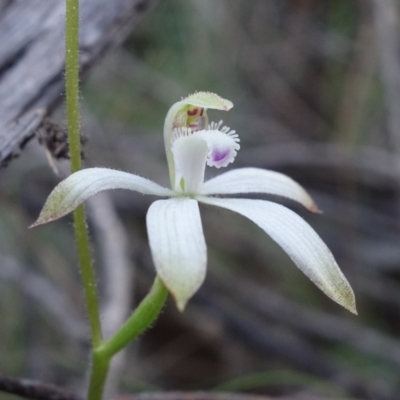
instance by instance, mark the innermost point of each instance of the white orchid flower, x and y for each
(174, 226)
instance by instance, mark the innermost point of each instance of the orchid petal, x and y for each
(190, 154)
(81, 185)
(257, 180)
(190, 112)
(178, 246)
(223, 144)
(299, 241)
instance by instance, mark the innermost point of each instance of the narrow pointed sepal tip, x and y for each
(314, 209)
(33, 225)
(180, 304)
(46, 218)
(347, 301)
(42, 221)
(352, 307)
(340, 291)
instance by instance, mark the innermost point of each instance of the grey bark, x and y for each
(32, 57)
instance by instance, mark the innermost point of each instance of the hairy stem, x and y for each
(142, 318)
(72, 82)
(150, 307)
(144, 315)
(98, 375)
(72, 101)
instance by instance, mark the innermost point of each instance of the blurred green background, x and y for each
(315, 86)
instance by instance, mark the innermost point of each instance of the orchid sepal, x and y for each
(81, 185)
(300, 242)
(178, 246)
(257, 180)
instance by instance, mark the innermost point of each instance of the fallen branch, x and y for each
(35, 390)
(32, 58)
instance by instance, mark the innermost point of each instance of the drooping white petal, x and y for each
(78, 187)
(257, 180)
(190, 155)
(178, 246)
(299, 241)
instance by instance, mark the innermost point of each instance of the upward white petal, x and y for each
(190, 155)
(178, 246)
(257, 180)
(299, 241)
(78, 187)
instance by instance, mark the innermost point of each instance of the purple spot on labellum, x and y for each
(219, 155)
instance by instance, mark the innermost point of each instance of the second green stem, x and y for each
(139, 321)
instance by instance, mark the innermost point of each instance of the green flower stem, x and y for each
(150, 307)
(73, 122)
(72, 82)
(98, 375)
(142, 318)
(88, 276)
(144, 315)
